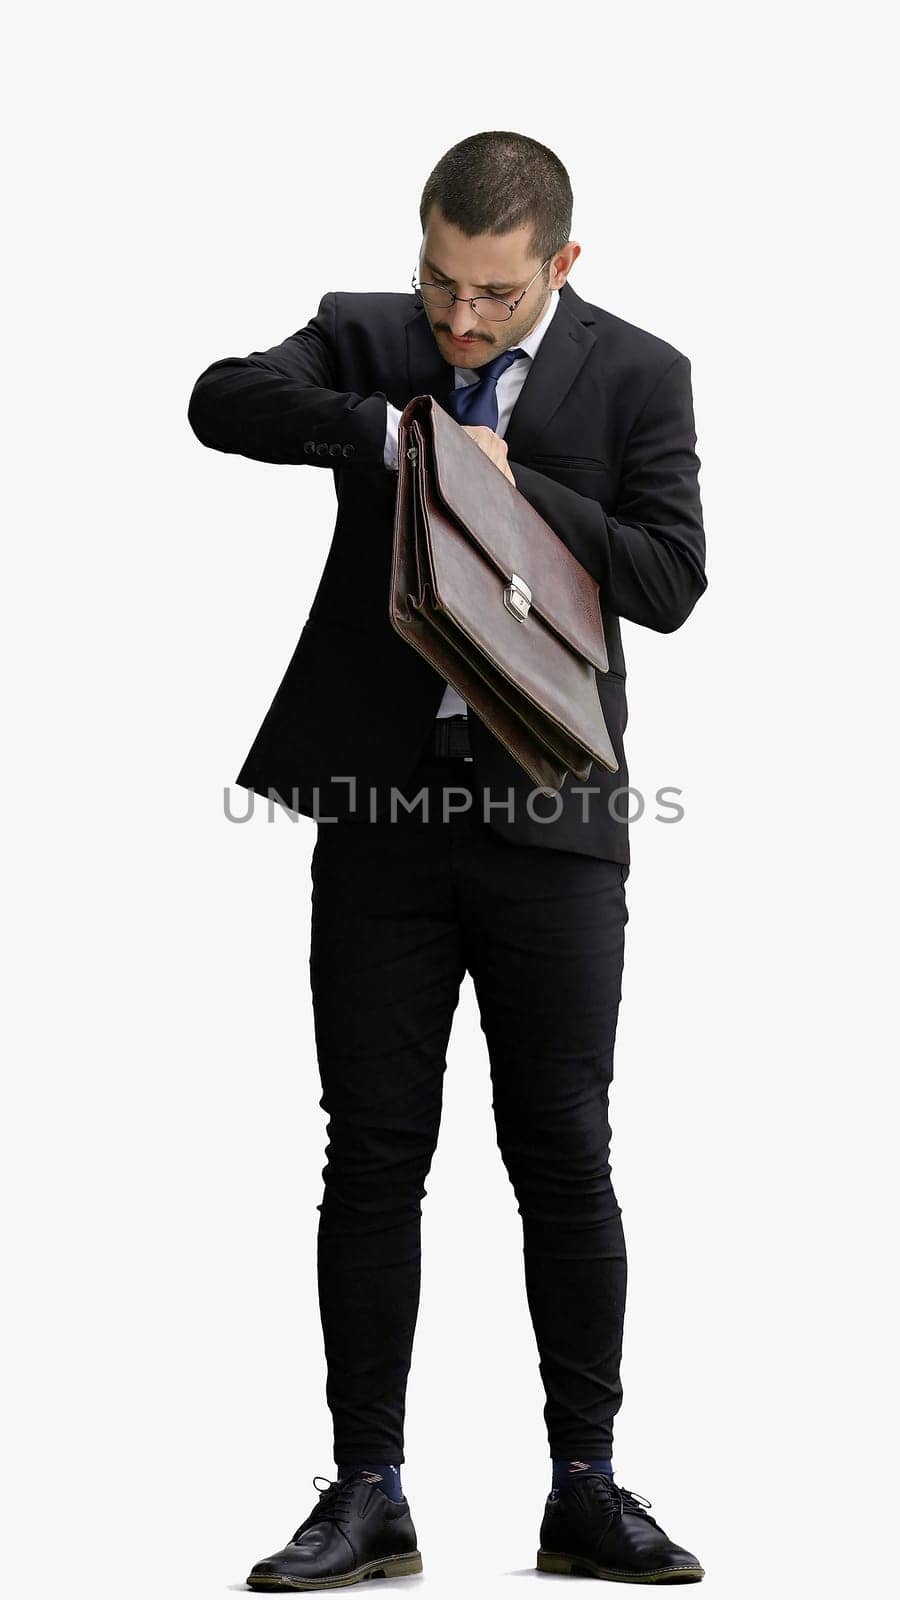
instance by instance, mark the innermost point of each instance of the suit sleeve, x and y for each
(649, 558)
(284, 405)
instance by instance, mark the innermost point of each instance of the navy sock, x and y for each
(390, 1475)
(568, 1472)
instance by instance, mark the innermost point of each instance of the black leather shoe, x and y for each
(356, 1531)
(593, 1528)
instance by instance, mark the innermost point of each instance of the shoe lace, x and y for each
(623, 1499)
(334, 1502)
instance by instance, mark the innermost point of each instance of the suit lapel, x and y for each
(427, 371)
(560, 357)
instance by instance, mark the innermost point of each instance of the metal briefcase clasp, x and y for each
(517, 597)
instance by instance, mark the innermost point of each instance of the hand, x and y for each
(493, 446)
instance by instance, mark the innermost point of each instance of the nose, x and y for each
(461, 319)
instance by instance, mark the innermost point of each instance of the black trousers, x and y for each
(400, 912)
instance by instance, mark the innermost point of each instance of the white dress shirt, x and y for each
(509, 387)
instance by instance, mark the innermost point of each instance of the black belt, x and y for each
(451, 737)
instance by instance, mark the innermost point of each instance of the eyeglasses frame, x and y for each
(471, 301)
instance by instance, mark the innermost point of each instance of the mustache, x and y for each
(441, 327)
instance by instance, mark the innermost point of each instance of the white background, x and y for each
(184, 183)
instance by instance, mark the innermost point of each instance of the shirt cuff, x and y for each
(390, 437)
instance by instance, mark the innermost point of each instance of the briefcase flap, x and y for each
(512, 534)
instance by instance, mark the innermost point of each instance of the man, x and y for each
(592, 420)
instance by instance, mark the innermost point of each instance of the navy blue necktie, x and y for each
(475, 404)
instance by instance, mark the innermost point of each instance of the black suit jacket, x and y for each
(601, 441)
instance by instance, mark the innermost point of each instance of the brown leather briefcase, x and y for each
(493, 598)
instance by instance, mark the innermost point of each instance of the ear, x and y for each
(563, 262)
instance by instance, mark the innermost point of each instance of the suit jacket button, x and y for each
(310, 447)
(322, 449)
(334, 450)
(349, 449)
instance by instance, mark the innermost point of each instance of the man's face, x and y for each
(497, 264)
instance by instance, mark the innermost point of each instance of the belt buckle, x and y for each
(452, 737)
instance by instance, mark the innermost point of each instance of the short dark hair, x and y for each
(495, 182)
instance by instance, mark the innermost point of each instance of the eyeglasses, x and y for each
(484, 305)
